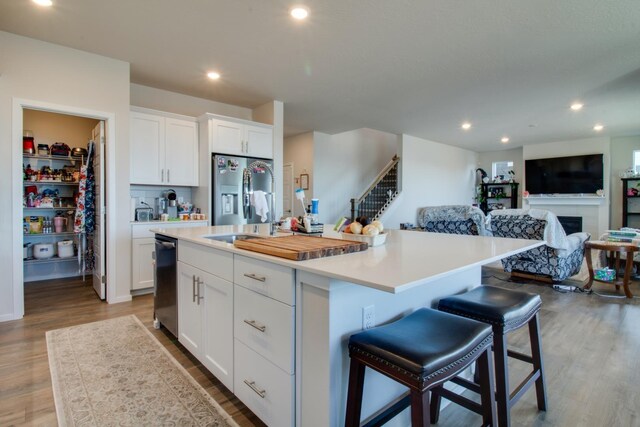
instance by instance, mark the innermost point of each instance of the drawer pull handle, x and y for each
(254, 277)
(252, 386)
(253, 323)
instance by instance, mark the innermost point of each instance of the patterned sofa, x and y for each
(453, 219)
(560, 258)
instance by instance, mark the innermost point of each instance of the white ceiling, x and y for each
(420, 67)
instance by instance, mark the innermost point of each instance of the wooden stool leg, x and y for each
(487, 395)
(617, 267)
(587, 255)
(538, 365)
(502, 376)
(419, 408)
(354, 394)
(627, 275)
(436, 400)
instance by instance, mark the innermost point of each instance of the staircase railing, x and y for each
(379, 195)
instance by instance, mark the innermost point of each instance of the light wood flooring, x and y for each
(591, 347)
(26, 397)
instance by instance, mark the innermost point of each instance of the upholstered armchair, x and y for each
(560, 258)
(454, 219)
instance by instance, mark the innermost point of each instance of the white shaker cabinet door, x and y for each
(217, 339)
(189, 309)
(146, 144)
(142, 263)
(259, 142)
(181, 152)
(227, 137)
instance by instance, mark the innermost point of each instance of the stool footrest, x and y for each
(469, 385)
(460, 400)
(524, 386)
(520, 356)
(387, 413)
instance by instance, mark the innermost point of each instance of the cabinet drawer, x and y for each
(266, 326)
(213, 261)
(263, 387)
(272, 280)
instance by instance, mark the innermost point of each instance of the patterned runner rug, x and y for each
(116, 373)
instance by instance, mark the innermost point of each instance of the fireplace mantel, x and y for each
(565, 200)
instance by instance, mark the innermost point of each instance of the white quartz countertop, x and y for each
(175, 221)
(407, 259)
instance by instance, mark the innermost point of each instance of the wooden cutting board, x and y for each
(299, 248)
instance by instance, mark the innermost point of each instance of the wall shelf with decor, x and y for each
(495, 195)
(630, 207)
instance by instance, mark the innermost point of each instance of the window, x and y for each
(636, 161)
(503, 168)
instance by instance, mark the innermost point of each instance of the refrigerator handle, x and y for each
(246, 188)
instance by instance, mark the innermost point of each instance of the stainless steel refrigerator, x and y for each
(227, 203)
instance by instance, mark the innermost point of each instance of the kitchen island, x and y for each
(287, 328)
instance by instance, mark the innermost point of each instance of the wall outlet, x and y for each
(368, 317)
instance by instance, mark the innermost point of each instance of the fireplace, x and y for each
(571, 224)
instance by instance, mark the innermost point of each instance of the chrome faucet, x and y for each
(247, 189)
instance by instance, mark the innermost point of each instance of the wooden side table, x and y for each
(614, 249)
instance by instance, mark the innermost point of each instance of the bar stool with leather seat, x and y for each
(505, 311)
(422, 351)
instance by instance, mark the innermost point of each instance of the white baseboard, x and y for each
(9, 317)
(116, 300)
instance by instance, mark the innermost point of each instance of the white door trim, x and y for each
(16, 199)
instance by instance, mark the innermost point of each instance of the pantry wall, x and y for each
(57, 241)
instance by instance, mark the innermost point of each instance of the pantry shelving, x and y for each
(50, 186)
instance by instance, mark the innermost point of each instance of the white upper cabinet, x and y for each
(259, 141)
(240, 138)
(164, 150)
(146, 145)
(181, 152)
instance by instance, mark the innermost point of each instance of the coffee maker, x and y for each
(168, 204)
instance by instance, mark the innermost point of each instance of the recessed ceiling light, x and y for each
(466, 126)
(598, 127)
(213, 75)
(504, 139)
(43, 2)
(299, 13)
(576, 106)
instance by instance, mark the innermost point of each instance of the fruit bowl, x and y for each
(376, 240)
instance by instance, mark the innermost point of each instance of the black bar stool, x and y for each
(505, 311)
(422, 351)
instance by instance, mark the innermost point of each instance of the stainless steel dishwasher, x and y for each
(165, 295)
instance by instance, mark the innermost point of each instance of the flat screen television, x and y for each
(564, 175)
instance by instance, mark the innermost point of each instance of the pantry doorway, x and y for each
(78, 241)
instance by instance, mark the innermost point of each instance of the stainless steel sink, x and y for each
(230, 238)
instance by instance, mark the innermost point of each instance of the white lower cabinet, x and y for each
(189, 311)
(266, 326)
(266, 389)
(142, 263)
(242, 332)
(205, 320)
(217, 320)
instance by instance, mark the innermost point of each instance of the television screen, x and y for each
(564, 175)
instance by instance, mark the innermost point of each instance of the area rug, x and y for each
(116, 373)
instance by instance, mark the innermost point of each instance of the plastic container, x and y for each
(60, 224)
(65, 249)
(43, 250)
(376, 240)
